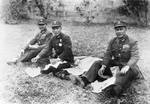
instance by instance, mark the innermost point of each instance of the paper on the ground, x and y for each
(53, 65)
(99, 86)
(32, 72)
(82, 65)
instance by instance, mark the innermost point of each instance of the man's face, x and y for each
(56, 30)
(120, 31)
(42, 27)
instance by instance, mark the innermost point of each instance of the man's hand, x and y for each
(101, 70)
(125, 69)
(35, 59)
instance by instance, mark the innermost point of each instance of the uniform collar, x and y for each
(123, 39)
(43, 31)
(59, 36)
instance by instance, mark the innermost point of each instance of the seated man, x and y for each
(123, 52)
(60, 48)
(36, 45)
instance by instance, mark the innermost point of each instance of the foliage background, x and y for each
(88, 11)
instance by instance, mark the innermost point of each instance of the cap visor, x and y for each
(119, 26)
(41, 24)
(55, 25)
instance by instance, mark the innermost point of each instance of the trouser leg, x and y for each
(92, 73)
(27, 56)
(63, 66)
(123, 81)
(43, 61)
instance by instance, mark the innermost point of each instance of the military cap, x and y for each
(42, 22)
(119, 24)
(56, 23)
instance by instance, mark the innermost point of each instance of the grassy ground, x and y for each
(17, 87)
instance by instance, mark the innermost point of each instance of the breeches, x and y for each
(28, 55)
(92, 73)
(123, 81)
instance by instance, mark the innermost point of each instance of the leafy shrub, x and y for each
(88, 9)
(15, 10)
(137, 9)
(53, 7)
(49, 7)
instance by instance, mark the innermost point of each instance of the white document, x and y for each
(99, 86)
(83, 65)
(53, 65)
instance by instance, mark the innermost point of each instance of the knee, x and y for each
(113, 90)
(62, 66)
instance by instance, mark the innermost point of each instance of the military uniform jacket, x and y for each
(123, 51)
(60, 45)
(41, 39)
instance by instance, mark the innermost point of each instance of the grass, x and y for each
(90, 40)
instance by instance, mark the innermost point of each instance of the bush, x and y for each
(88, 9)
(15, 10)
(49, 8)
(137, 9)
(53, 7)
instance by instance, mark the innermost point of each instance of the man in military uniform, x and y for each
(35, 46)
(59, 47)
(122, 51)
